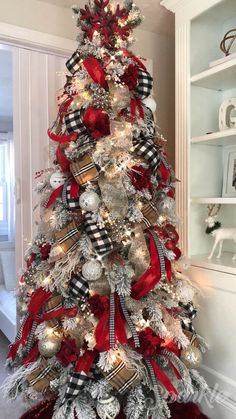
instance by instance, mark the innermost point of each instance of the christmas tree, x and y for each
(106, 312)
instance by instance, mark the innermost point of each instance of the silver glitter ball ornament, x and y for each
(92, 270)
(108, 408)
(49, 347)
(89, 201)
(191, 357)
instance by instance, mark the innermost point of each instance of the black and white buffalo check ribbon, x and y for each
(74, 123)
(79, 287)
(145, 84)
(127, 318)
(190, 312)
(77, 381)
(73, 64)
(147, 149)
(66, 197)
(149, 130)
(99, 237)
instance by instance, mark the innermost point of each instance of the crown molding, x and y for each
(173, 5)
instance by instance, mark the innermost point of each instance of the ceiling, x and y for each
(156, 18)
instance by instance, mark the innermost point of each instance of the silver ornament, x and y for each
(191, 357)
(92, 270)
(57, 179)
(89, 201)
(48, 347)
(108, 408)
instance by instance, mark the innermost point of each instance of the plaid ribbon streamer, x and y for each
(84, 170)
(123, 377)
(73, 64)
(66, 198)
(41, 377)
(79, 287)
(68, 237)
(98, 236)
(129, 321)
(145, 84)
(149, 215)
(147, 149)
(189, 311)
(74, 123)
(76, 382)
(53, 304)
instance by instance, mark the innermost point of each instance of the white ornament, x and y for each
(57, 179)
(92, 270)
(150, 103)
(49, 347)
(89, 201)
(227, 114)
(108, 408)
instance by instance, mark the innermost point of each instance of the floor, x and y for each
(8, 410)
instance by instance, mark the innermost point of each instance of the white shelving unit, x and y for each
(200, 90)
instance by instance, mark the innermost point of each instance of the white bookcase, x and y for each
(200, 148)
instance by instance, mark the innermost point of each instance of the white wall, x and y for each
(48, 18)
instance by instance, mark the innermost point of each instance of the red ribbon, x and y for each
(95, 70)
(136, 106)
(134, 58)
(152, 276)
(38, 298)
(97, 121)
(86, 361)
(163, 378)
(32, 355)
(62, 160)
(54, 195)
(102, 329)
(65, 138)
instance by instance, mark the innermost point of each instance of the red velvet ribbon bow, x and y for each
(102, 329)
(86, 361)
(97, 121)
(152, 276)
(95, 70)
(62, 160)
(65, 138)
(169, 233)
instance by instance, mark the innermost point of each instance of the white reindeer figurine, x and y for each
(220, 234)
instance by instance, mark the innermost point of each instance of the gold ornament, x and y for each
(191, 357)
(49, 347)
(108, 408)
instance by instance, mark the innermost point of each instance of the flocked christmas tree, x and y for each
(106, 328)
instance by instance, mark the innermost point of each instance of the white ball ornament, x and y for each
(92, 270)
(57, 179)
(48, 347)
(108, 408)
(89, 201)
(150, 103)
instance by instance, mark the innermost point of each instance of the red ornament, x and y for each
(97, 121)
(98, 304)
(150, 343)
(140, 177)
(130, 77)
(68, 353)
(45, 250)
